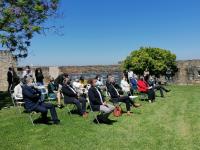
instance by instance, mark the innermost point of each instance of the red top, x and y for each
(142, 86)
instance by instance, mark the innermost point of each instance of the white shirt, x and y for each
(27, 74)
(125, 86)
(99, 83)
(18, 92)
(79, 87)
(130, 74)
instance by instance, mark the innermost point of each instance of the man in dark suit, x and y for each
(98, 103)
(33, 103)
(116, 97)
(10, 78)
(71, 97)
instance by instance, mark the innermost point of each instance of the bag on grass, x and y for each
(117, 111)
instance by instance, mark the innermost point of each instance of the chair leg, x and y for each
(30, 117)
(95, 117)
(69, 111)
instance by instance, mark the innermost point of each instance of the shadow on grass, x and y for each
(5, 100)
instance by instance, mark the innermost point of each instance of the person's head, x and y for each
(28, 81)
(92, 82)
(111, 79)
(81, 79)
(10, 69)
(39, 70)
(124, 77)
(98, 77)
(27, 68)
(65, 75)
(77, 80)
(142, 78)
(67, 81)
(51, 79)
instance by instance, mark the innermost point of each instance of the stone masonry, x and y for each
(188, 70)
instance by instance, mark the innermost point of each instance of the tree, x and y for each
(20, 20)
(156, 60)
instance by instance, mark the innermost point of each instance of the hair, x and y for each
(90, 81)
(37, 69)
(10, 68)
(27, 79)
(28, 67)
(97, 76)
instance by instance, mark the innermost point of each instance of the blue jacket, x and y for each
(31, 97)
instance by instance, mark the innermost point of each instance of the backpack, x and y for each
(117, 111)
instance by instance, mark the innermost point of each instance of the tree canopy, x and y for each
(20, 19)
(156, 60)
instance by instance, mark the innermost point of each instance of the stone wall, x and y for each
(6, 61)
(188, 71)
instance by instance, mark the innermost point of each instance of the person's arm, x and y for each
(33, 97)
(68, 92)
(92, 98)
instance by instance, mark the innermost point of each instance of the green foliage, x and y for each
(155, 59)
(20, 19)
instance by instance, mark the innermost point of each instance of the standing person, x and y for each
(39, 76)
(146, 72)
(98, 102)
(27, 72)
(10, 78)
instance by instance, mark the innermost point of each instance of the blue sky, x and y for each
(106, 31)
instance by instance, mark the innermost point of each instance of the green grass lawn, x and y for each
(172, 123)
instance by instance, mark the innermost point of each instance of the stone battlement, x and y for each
(188, 70)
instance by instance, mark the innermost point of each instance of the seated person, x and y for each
(116, 97)
(80, 88)
(98, 103)
(18, 91)
(53, 92)
(33, 103)
(144, 87)
(125, 86)
(133, 83)
(156, 84)
(59, 82)
(71, 97)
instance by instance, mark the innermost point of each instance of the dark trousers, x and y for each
(79, 102)
(10, 86)
(151, 94)
(161, 89)
(43, 108)
(124, 99)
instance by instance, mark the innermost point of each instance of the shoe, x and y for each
(128, 113)
(56, 121)
(60, 106)
(150, 101)
(168, 91)
(136, 105)
(85, 115)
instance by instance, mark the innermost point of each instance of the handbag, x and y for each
(117, 111)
